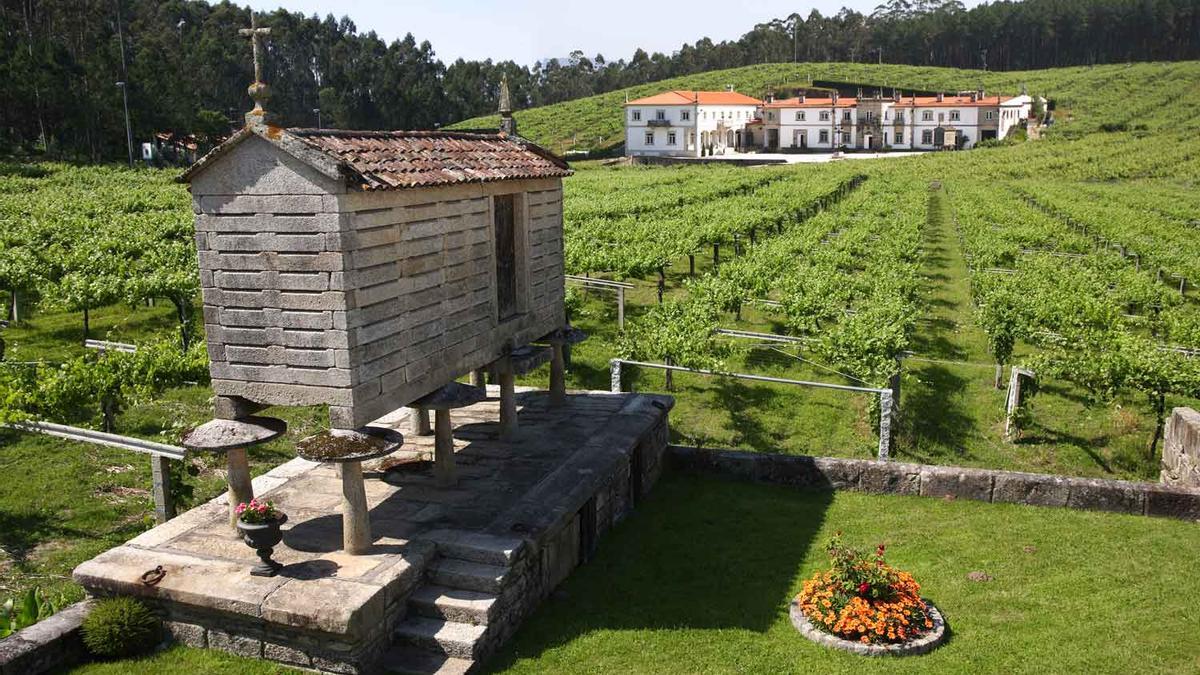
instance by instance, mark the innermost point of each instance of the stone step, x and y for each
(453, 604)
(467, 575)
(476, 546)
(406, 659)
(450, 638)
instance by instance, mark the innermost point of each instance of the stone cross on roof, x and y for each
(508, 125)
(258, 90)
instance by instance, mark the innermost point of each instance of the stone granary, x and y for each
(363, 269)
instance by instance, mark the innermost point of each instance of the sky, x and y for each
(526, 31)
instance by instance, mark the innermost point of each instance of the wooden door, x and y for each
(506, 255)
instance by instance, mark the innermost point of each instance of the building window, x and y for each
(927, 137)
(927, 115)
(637, 115)
(953, 115)
(899, 138)
(824, 115)
(870, 115)
(685, 115)
(800, 116)
(660, 115)
(823, 136)
(670, 138)
(899, 115)
(989, 115)
(941, 117)
(504, 219)
(845, 138)
(770, 115)
(845, 115)
(649, 138)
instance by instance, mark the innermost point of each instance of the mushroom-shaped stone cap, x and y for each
(222, 435)
(450, 396)
(526, 358)
(566, 335)
(340, 445)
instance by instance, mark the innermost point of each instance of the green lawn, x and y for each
(63, 503)
(698, 580)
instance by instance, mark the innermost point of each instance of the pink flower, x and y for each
(863, 588)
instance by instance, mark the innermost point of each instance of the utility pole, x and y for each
(124, 85)
(983, 57)
(880, 56)
(317, 112)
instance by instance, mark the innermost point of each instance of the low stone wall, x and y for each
(1150, 499)
(1181, 449)
(47, 645)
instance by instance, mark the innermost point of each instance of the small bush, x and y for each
(121, 627)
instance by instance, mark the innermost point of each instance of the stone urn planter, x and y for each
(263, 537)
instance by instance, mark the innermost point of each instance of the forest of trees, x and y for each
(186, 69)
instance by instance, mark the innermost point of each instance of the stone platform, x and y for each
(452, 571)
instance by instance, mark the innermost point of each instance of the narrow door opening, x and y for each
(506, 255)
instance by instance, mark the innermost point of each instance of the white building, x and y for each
(878, 123)
(687, 123)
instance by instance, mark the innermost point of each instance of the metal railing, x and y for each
(605, 285)
(105, 345)
(160, 454)
(887, 404)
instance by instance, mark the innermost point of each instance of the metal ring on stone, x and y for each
(152, 577)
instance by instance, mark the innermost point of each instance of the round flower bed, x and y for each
(865, 606)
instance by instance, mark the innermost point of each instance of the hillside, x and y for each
(1132, 96)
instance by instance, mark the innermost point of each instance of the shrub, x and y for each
(121, 627)
(863, 598)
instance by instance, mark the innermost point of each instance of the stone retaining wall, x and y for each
(1150, 499)
(46, 645)
(1181, 449)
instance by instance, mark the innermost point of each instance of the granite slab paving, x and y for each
(323, 590)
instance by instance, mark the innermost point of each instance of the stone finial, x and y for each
(258, 90)
(508, 124)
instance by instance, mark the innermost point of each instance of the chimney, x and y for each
(834, 97)
(974, 96)
(941, 97)
(803, 96)
(770, 96)
(729, 88)
(508, 125)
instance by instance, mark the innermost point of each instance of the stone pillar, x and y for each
(420, 421)
(614, 370)
(1181, 449)
(443, 450)
(885, 425)
(356, 522)
(508, 399)
(1017, 390)
(164, 505)
(479, 378)
(241, 491)
(558, 374)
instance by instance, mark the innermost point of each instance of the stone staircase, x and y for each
(457, 616)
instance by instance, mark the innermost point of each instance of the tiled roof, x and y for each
(902, 102)
(388, 160)
(701, 97)
(393, 160)
(947, 102)
(810, 102)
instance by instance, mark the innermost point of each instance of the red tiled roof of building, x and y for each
(392, 160)
(701, 97)
(947, 102)
(902, 102)
(810, 102)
